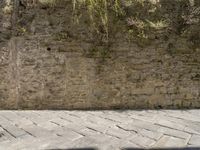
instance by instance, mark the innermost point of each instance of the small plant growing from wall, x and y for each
(98, 12)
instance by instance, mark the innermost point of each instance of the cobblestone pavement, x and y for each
(106, 130)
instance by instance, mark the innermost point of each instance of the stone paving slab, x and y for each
(106, 130)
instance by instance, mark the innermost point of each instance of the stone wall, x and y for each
(46, 63)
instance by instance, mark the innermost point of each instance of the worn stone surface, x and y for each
(44, 62)
(93, 129)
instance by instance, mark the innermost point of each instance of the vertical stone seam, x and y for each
(14, 74)
(14, 22)
(13, 58)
